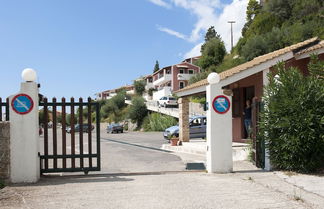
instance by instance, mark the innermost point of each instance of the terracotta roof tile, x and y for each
(313, 48)
(256, 61)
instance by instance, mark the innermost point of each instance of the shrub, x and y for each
(201, 99)
(158, 122)
(139, 86)
(292, 123)
(150, 91)
(137, 111)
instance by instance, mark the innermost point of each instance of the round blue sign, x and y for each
(22, 104)
(221, 104)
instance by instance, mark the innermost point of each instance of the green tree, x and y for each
(210, 34)
(112, 108)
(139, 86)
(137, 111)
(280, 8)
(252, 10)
(156, 66)
(213, 53)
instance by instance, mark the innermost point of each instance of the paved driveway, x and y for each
(137, 152)
(137, 174)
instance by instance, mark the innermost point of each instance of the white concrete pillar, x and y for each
(267, 164)
(219, 133)
(24, 135)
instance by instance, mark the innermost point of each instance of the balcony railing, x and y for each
(165, 78)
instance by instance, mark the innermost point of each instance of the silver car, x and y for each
(197, 128)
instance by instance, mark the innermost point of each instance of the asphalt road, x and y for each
(124, 152)
(137, 174)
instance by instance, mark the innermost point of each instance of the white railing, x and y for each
(165, 78)
(148, 86)
(183, 76)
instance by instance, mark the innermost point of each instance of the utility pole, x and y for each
(231, 22)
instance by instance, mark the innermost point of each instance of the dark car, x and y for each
(115, 128)
(77, 128)
(197, 128)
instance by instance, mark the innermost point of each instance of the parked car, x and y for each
(77, 128)
(197, 128)
(167, 101)
(115, 128)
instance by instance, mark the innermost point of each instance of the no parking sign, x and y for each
(22, 104)
(221, 104)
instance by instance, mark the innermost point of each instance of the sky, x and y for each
(81, 47)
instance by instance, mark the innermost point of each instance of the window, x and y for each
(181, 85)
(150, 80)
(181, 71)
(168, 71)
(191, 71)
(196, 122)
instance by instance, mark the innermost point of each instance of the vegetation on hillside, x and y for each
(158, 122)
(114, 109)
(139, 86)
(279, 23)
(275, 25)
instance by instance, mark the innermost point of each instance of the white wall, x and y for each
(24, 140)
(219, 134)
(165, 91)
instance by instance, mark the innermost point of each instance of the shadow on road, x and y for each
(136, 145)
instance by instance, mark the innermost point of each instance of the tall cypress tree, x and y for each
(156, 66)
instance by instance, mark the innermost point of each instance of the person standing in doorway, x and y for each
(247, 117)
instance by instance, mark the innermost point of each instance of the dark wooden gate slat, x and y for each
(98, 134)
(81, 131)
(45, 131)
(89, 132)
(54, 132)
(7, 109)
(64, 131)
(72, 132)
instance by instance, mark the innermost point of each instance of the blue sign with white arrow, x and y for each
(22, 104)
(221, 104)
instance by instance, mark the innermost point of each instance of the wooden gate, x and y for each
(71, 143)
(258, 147)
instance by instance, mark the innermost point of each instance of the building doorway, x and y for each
(248, 94)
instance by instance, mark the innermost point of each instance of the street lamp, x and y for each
(29, 75)
(213, 78)
(231, 22)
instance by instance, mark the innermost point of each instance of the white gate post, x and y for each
(24, 131)
(219, 130)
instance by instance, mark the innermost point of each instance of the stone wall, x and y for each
(4, 150)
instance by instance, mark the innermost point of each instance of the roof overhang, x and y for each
(240, 75)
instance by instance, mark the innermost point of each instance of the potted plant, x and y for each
(174, 140)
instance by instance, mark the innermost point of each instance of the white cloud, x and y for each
(235, 11)
(172, 32)
(207, 15)
(161, 3)
(193, 52)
